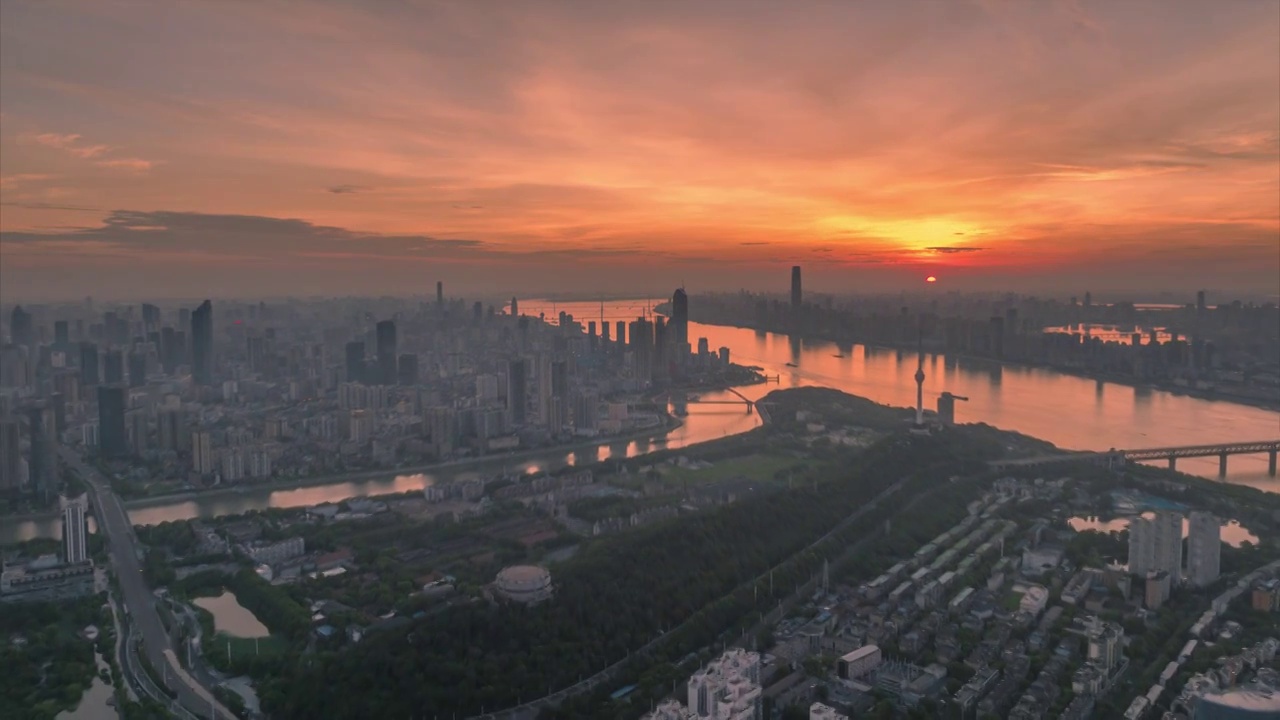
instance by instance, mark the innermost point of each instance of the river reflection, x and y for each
(1071, 412)
(1233, 533)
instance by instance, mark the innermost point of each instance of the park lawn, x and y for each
(761, 467)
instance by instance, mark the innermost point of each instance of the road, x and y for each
(139, 602)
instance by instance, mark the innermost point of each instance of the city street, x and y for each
(139, 602)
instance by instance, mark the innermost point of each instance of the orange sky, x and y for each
(224, 147)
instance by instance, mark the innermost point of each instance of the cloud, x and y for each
(955, 250)
(347, 189)
(51, 206)
(70, 143)
(9, 182)
(133, 164)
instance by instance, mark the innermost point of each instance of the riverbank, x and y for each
(1208, 395)
(461, 464)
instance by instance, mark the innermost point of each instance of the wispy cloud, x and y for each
(8, 182)
(134, 164)
(347, 189)
(71, 143)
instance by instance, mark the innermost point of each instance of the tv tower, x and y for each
(920, 377)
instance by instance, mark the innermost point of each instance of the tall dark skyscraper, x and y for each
(621, 326)
(355, 361)
(679, 326)
(150, 318)
(440, 292)
(88, 364)
(43, 467)
(796, 297)
(112, 439)
(517, 390)
(10, 454)
(515, 307)
(386, 332)
(20, 327)
(61, 334)
(202, 344)
(112, 367)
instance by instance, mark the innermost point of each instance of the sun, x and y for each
(931, 279)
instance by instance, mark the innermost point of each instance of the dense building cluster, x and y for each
(233, 391)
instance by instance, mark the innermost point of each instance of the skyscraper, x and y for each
(679, 318)
(43, 467)
(112, 436)
(61, 334)
(517, 392)
(1155, 544)
(515, 307)
(150, 318)
(355, 361)
(112, 367)
(202, 344)
(439, 292)
(796, 297)
(88, 364)
(21, 329)
(74, 532)
(386, 336)
(10, 454)
(1204, 549)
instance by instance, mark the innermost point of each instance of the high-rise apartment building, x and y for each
(1155, 544)
(42, 468)
(407, 369)
(202, 458)
(112, 436)
(75, 531)
(202, 344)
(1204, 549)
(796, 297)
(10, 454)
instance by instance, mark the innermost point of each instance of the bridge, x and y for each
(1115, 457)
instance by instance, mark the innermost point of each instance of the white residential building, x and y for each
(1204, 549)
(818, 711)
(728, 688)
(1155, 544)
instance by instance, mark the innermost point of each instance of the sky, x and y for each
(271, 148)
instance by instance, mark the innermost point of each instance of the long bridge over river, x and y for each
(1113, 457)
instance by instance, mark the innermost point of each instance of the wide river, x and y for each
(1071, 412)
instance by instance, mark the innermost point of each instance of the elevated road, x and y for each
(1171, 454)
(139, 602)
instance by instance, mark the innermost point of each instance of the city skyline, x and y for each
(1049, 147)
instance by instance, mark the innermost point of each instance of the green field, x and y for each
(759, 467)
(245, 647)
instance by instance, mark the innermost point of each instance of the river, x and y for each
(1071, 412)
